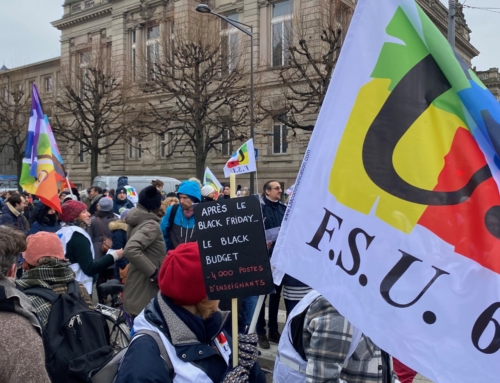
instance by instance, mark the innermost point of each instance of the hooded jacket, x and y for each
(23, 357)
(119, 238)
(145, 250)
(182, 227)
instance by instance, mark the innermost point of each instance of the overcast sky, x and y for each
(26, 35)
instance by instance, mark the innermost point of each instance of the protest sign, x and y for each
(232, 243)
(395, 215)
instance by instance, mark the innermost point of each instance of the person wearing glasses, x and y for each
(273, 211)
(120, 201)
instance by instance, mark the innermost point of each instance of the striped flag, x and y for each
(42, 163)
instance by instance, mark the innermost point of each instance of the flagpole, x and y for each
(234, 301)
(69, 185)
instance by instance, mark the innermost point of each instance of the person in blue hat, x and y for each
(178, 223)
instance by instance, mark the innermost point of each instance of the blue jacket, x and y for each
(37, 226)
(142, 362)
(182, 227)
(9, 219)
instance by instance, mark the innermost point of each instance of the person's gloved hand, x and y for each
(239, 374)
(247, 350)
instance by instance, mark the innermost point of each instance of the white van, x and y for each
(137, 182)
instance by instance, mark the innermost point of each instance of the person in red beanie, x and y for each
(47, 268)
(78, 247)
(191, 328)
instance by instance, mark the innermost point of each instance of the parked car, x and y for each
(137, 182)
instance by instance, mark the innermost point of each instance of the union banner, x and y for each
(395, 215)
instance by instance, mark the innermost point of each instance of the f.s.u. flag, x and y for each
(42, 163)
(242, 160)
(403, 230)
(210, 179)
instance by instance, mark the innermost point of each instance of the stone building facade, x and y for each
(124, 26)
(491, 79)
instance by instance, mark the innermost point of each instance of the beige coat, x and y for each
(145, 250)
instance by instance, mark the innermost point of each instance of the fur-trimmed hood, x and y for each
(118, 225)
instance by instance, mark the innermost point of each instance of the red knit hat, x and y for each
(71, 210)
(42, 244)
(181, 278)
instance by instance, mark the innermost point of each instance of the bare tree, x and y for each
(96, 106)
(314, 43)
(195, 71)
(15, 102)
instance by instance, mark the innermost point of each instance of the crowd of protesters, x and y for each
(146, 240)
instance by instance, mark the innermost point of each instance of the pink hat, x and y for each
(42, 244)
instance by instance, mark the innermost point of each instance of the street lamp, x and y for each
(204, 8)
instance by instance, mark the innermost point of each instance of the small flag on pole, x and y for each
(242, 161)
(42, 163)
(210, 179)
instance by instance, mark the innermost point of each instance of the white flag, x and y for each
(210, 179)
(242, 161)
(395, 214)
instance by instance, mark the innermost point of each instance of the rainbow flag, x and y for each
(395, 214)
(42, 164)
(242, 160)
(210, 179)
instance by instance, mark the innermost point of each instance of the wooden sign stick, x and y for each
(234, 301)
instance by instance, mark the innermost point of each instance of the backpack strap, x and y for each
(161, 346)
(42, 292)
(171, 218)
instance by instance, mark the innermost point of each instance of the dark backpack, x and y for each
(171, 218)
(76, 338)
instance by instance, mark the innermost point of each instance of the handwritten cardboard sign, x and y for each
(233, 250)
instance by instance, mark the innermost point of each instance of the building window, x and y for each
(30, 86)
(229, 45)
(281, 32)
(166, 146)
(484, 76)
(83, 63)
(130, 149)
(76, 7)
(89, 3)
(138, 149)
(280, 142)
(152, 50)
(47, 84)
(81, 154)
(135, 148)
(133, 53)
(227, 145)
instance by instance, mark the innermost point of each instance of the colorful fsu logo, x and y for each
(239, 157)
(409, 149)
